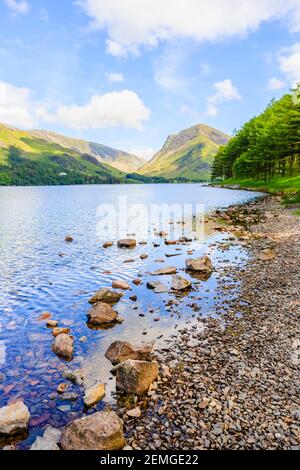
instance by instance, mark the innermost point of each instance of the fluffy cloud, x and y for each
(19, 7)
(275, 84)
(122, 108)
(136, 23)
(225, 91)
(289, 62)
(16, 106)
(115, 77)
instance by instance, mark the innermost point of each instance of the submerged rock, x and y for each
(120, 285)
(69, 239)
(14, 418)
(48, 441)
(101, 314)
(180, 283)
(108, 244)
(94, 394)
(136, 376)
(158, 287)
(107, 296)
(75, 376)
(200, 265)
(127, 243)
(121, 351)
(100, 431)
(165, 271)
(63, 346)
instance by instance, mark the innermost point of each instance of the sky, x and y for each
(127, 73)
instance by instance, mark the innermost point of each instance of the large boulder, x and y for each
(165, 271)
(136, 376)
(48, 441)
(94, 394)
(63, 346)
(14, 418)
(99, 431)
(107, 296)
(102, 314)
(127, 243)
(120, 351)
(180, 283)
(199, 265)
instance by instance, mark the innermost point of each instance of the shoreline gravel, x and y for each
(234, 380)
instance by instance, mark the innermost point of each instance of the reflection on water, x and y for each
(39, 273)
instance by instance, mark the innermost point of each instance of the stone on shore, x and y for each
(121, 351)
(165, 271)
(135, 413)
(200, 265)
(267, 255)
(101, 314)
(94, 394)
(48, 441)
(107, 296)
(14, 418)
(136, 376)
(63, 346)
(180, 283)
(170, 242)
(127, 243)
(100, 431)
(120, 285)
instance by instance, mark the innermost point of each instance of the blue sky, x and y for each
(127, 73)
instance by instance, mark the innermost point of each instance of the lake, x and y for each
(41, 273)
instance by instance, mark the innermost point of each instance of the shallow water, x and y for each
(34, 279)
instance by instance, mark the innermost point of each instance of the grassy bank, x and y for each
(276, 185)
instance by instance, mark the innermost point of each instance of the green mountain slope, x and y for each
(118, 159)
(28, 160)
(187, 155)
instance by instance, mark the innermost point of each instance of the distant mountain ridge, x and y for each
(123, 161)
(187, 155)
(34, 158)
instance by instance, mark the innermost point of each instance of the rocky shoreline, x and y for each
(229, 380)
(233, 382)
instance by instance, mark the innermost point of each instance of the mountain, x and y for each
(28, 158)
(118, 159)
(187, 155)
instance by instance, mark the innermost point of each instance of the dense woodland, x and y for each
(266, 147)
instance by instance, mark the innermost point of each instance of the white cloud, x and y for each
(225, 91)
(19, 7)
(289, 62)
(122, 108)
(275, 84)
(16, 106)
(19, 108)
(115, 77)
(136, 23)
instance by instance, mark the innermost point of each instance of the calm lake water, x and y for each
(40, 272)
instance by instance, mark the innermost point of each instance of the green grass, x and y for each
(288, 185)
